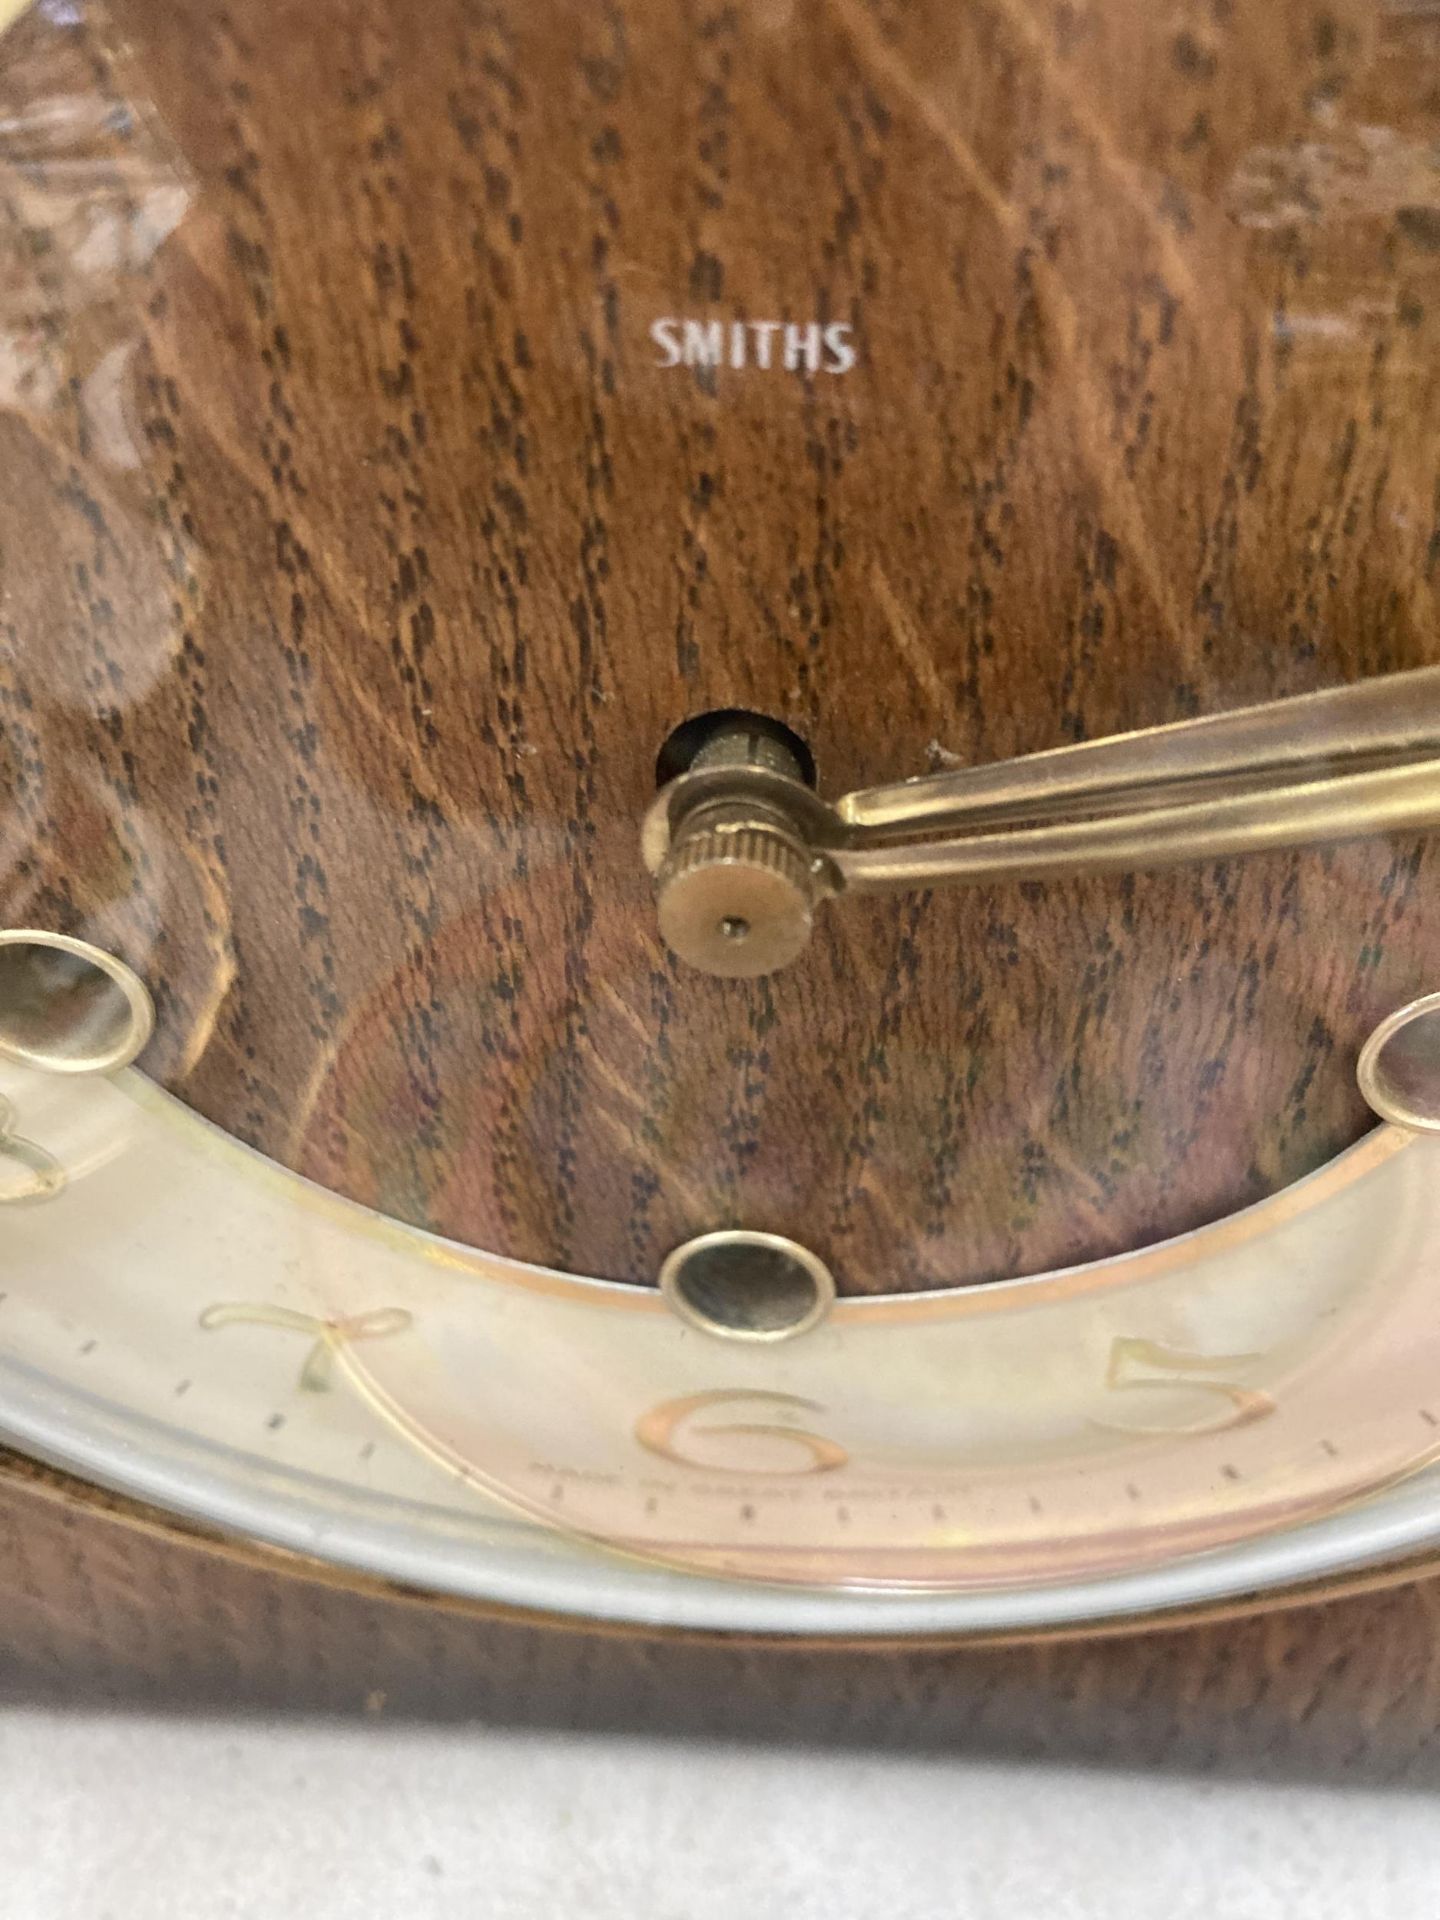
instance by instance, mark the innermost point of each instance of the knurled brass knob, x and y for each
(736, 897)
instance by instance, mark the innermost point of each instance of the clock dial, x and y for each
(534, 557)
(1265, 1384)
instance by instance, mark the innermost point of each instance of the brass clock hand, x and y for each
(743, 851)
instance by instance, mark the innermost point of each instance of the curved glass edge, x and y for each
(512, 1563)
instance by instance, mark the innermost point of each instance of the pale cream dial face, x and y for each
(1256, 1401)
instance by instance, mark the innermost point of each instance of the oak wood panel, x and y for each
(356, 556)
(96, 1608)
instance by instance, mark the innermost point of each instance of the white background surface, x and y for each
(129, 1818)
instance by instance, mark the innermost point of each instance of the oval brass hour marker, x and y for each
(67, 1006)
(740, 1285)
(1399, 1070)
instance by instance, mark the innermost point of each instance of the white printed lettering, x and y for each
(667, 339)
(704, 343)
(803, 343)
(764, 332)
(838, 346)
(803, 347)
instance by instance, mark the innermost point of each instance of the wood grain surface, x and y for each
(356, 556)
(97, 1610)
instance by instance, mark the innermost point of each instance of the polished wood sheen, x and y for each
(104, 1603)
(357, 555)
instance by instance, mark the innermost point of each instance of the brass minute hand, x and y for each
(743, 851)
